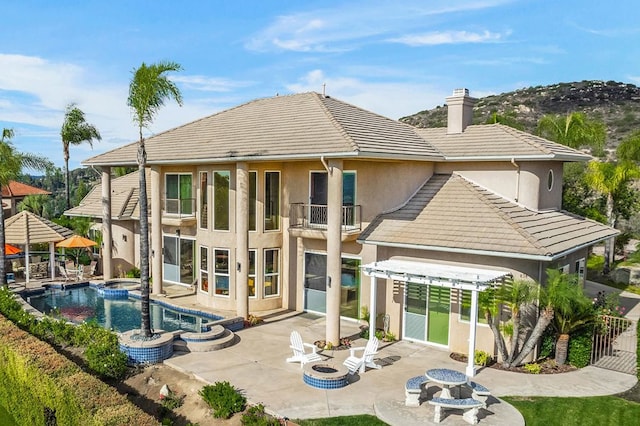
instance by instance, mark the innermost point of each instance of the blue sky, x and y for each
(391, 57)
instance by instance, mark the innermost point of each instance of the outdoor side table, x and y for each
(447, 378)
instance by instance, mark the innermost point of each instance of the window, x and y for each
(221, 200)
(271, 201)
(464, 303)
(271, 272)
(252, 273)
(221, 272)
(253, 191)
(550, 180)
(204, 269)
(204, 200)
(178, 194)
(580, 269)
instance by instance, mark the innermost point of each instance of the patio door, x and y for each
(426, 316)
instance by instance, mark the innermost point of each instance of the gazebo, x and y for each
(28, 228)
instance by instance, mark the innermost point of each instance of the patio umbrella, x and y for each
(9, 250)
(76, 241)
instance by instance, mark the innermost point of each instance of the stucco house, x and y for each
(309, 203)
(14, 193)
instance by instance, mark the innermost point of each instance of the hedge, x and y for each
(36, 381)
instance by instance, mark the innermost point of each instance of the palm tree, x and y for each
(515, 296)
(75, 130)
(610, 179)
(12, 164)
(574, 130)
(148, 90)
(572, 309)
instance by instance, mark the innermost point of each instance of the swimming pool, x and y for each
(119, 314)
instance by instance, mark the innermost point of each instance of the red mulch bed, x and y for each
(547, 366)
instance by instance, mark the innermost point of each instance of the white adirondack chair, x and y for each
(354, 363)
(300, 354)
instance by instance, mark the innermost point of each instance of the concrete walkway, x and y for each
(256, 364)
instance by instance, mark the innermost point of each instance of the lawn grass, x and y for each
(587, 411)
(362, 420)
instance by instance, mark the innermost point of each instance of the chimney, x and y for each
(460, 111)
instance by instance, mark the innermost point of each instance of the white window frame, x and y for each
(254, 275)
(208, 291)
(208, 198)
(179, 199)
(216, 275)
(266, 274)
(264, 203)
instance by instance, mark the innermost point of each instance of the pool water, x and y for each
(120, 314)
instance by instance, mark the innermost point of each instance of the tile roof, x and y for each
(124, 199)
(450, 213)
(39, 229)
(305, 125)
(18, 189)
(489, 141)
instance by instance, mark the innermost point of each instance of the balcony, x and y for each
(179, 211)
(313, 217)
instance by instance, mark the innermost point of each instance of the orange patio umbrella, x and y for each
(76, 241)
(9, 249)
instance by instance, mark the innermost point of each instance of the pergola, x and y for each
(474, 280)
(27, 228)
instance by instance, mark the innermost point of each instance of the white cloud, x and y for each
(209, 84)
(450, 37)
(344, 26)
(390, 99)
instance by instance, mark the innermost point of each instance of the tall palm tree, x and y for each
(148, 91)
(609, 179)
(574, 130)
(75, 131)
(12, 163)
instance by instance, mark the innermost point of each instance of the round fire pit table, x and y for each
(324, 375)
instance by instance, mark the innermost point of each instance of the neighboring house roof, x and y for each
(497, 141)
(450, 213)
(18, 189)
(306, 125)
(125, 194)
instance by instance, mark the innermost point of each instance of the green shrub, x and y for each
(548, 344)
(224, 399)
(533, 368)
(133, 273)
(481, 358)
(580, 344)
(105, 358)
(255, 416)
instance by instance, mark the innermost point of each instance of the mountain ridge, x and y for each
(617, 104)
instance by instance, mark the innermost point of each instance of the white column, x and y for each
(334, 250)
(107, 236)
(52, 259)
(156, 231)
(473, 322)
(372, 308)
(242, 240)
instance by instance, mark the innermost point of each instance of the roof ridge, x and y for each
(477, 190)
(319, 98)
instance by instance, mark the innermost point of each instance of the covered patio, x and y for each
(474, 280)
(27, 228)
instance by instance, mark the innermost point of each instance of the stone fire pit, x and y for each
(324, 375)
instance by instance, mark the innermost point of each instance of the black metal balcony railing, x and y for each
(314, 216)
(180, 206)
